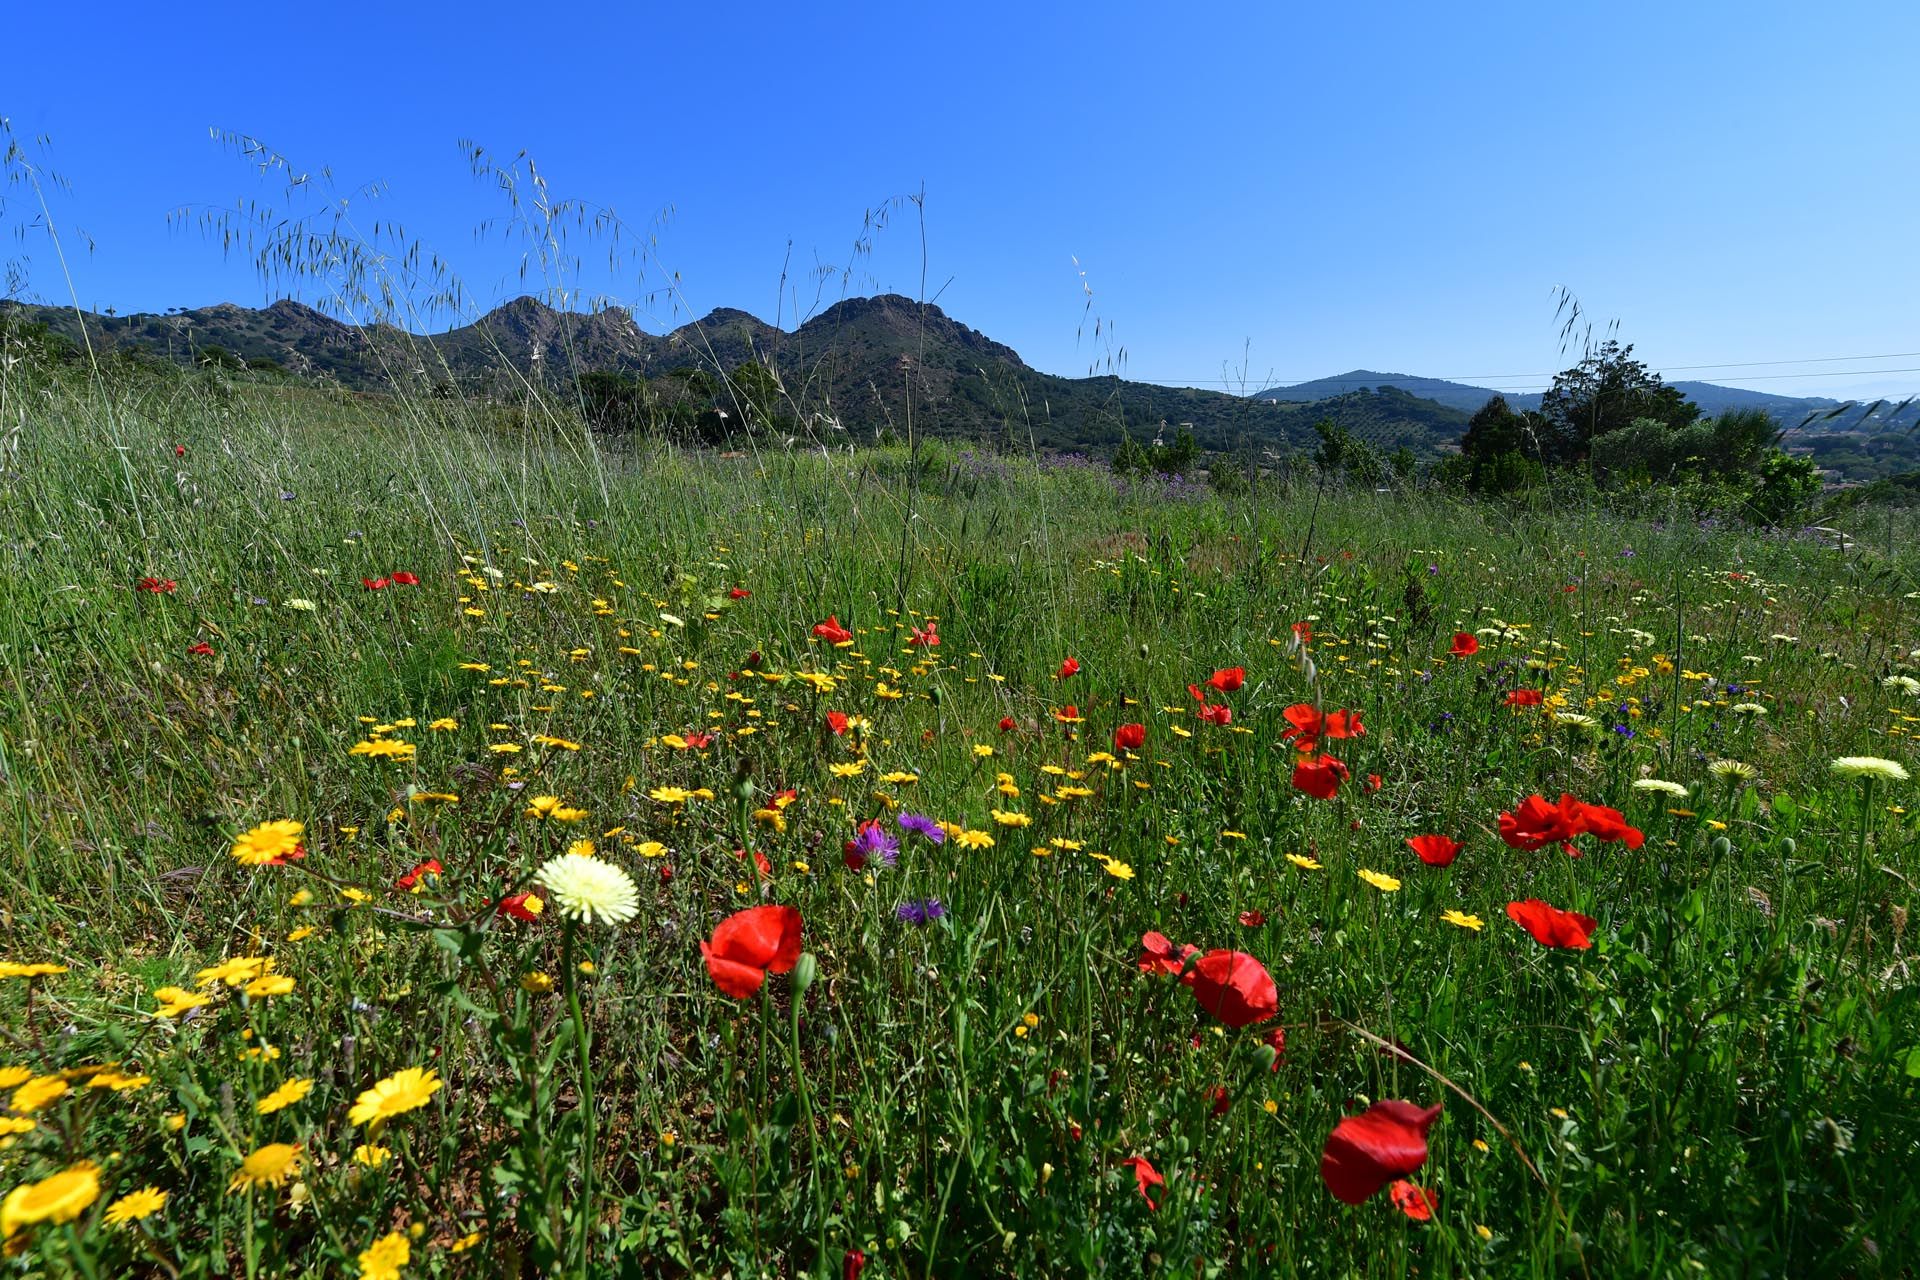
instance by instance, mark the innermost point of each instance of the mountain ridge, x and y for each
(863, 365)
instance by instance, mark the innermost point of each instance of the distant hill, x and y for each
(859, 367)
(1788, 411)
(1455, 395)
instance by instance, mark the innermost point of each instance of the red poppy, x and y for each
(1417, 1203)
(1070, 667)
(1309, 725)
(404, 579)
(1228, 679)
(515, 905)
(156, 586)
(738, 593)
(179, 451)
(1525, 698)
(923, 637)
(1199, 694)
(1277, 1038)
(1343, 724)
(781, 799)
(852, 1263)
(1233, 987)
(1552, 927)
(1365, 1152)
(1006, 724)
(1464, 645)
(1319, 776)
(750, 944)
(698, 741)
(1305, 720)
(837, 721)
(201, 650)
(1221, 1099)
(1534, 824)
(410, 882)
(1212, 713)
(1304, 631)
(1130, 737)
(752, 661)
(1610, 825)
(831, 631)
(1435, 851)
(376, 584)
(759, 861)
(1374, 783)
(1069, 714)
(1158, 954)
(1145, 1176)
(1253, 919)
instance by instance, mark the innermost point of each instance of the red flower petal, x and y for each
(1234, 987)
(1552, 927)
(1417, 1203)
(1435, 851)
(1365, 1152)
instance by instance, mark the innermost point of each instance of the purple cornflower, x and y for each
(923, 825)
(871, 842)
(921, 910)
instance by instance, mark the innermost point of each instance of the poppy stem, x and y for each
(1859, 876)
(585, 1221)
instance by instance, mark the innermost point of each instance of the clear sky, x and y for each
(1297, 188)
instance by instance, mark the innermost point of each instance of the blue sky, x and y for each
(1299, 189)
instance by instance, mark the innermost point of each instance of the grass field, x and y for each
(977, 1067)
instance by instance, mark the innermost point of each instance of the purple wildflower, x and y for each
(871, 842)
(921, 910)
(924, 826)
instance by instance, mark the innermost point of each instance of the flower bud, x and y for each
(804, 972)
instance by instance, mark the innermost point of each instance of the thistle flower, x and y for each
(1872, 767)
(586, 889)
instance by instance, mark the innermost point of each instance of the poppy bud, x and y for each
(1268, 1056)
(1721, 847)
(1789, 846)
(804, 972)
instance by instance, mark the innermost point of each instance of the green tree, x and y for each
(1501, 450)
(1788, 485)
(1605, 392)
(1177, 459)
(1130, 459)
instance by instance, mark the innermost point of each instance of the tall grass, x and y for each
(1723, 1084)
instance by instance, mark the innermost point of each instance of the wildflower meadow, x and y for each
(440, 849)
